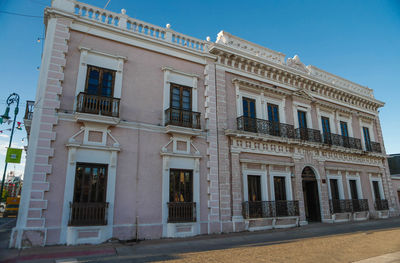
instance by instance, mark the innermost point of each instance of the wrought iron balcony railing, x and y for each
(382, 204)
(348, 205)
(307, 134)
(88, 214)
(373, 147)
(94, 104)
(29, 110)
(265, 126)
(179, 212)
(265, 209)
(340, 140)
(183, 118)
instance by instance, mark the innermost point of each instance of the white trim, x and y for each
(99, 59)
(348, 120)
(77, 154)
(188, 163)
(379, 180)
(263, 180)
(175, 76)
(297, 106)
(326, 114)
(358, 183)
(259, 109)
(339, 179)
(288, 183)
(370, 130)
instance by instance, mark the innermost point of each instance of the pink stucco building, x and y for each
(142, 132)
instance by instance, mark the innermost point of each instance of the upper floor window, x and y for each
(273, 112)
(326, 129)
(181, 97)
(100, 81)
(249, 107)
(302, 119)
(344, 129)
(367, 139)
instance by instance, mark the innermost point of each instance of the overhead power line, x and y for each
(18, 14)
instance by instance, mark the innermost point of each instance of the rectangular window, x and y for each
(367, 139)
(249, 107)
(302, 119)
(181, 186)
(254, 187)
(90, 183)
(344, 129)
(100, 81)
(280, 187)
(181, 97)
(334, 189)
(326, 130)
(273, 117)
(353, 189)
(375, 185)
(249, 114)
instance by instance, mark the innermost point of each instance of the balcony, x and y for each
(343, 141)
(266, 127)
(382, 204)
(28, 115)
(181, 212)
(266, 209)
(348, 205)
(99, 105)
(182, 118)
(306, 134)
(88, 214)
(373, 147)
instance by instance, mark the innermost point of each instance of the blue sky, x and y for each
(357, 40)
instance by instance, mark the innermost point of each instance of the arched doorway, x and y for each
(311, 195)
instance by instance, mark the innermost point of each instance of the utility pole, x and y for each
(13, 98)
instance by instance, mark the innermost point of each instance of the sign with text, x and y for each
(13, 155)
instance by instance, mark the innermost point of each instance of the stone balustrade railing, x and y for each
(235, 42)
(127, 23)
(339, 82)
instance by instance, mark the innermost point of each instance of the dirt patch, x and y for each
(336, 248)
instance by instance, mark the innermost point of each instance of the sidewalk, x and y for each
(168, 249)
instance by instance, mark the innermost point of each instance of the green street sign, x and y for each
(13, 155)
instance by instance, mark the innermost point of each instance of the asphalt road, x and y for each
(312, 243)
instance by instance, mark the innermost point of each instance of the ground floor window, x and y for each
(334, 189)
(353, 189)
(89, 206)
(181, 207)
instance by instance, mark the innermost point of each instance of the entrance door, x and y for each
(311, 196)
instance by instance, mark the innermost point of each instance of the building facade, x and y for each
(394, 167)
(141, 132)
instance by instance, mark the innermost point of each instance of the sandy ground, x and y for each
(336, 248)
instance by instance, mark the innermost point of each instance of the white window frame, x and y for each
(370, 127)
(288, 183)
(297, 106)
(339, 179)
(239, 103)
(358, 182)
(103, 60)
(263, 181)
(380, 185)
(174, 76)
(279, 103)
(326, 114)
(348, 120)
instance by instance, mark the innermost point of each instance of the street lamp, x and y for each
(13, 98)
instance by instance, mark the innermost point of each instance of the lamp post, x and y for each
(13, 98)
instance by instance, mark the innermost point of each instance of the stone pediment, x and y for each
(296, 64)
(304, 94)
